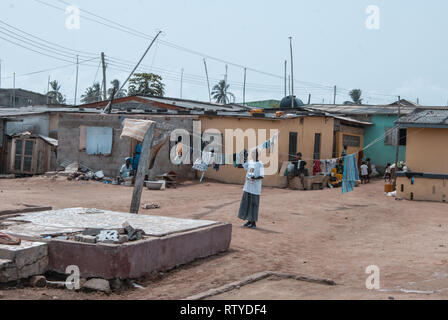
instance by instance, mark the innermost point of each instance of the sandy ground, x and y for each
(312, 233)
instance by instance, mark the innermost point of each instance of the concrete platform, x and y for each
(23, 261)
(168, 242)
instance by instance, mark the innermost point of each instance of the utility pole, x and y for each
(142, 168)
(181, 80)
(292, 74)
(104, 77)
(76, 83)
(226, 74)
(108, 108)
(286, 62)
(289, 84)
(14, 90)
(334, 94)
(397, 139)
(208, 83)
(244, 88)
(48, 89)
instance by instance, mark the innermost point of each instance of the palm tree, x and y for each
(221, 94)
(92, 94)
(355, 94)
(55, 97)
(116, 85)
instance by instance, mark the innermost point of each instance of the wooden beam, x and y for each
(142, 168)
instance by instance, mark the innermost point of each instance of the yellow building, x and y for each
(315, 135)
(426, 156)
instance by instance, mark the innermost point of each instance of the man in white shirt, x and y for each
(252, 189)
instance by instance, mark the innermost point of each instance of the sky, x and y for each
(385, 48)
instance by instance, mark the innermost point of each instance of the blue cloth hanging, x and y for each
(351, 173)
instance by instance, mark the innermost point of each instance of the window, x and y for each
(292, 145)
(351, 141)
(18, 157)
(390, 136)
(99, 140)
(316, 146)
(402, 136)
(23, 157)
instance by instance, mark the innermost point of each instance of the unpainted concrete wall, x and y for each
(69, 133)
(35, 123)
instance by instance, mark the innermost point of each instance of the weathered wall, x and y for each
(427, 151)
(339, 139)
(380, 153)
(305, 128)
(69, 134)
(35, 123)
(423, 189)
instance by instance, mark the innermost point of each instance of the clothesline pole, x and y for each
(142, 167)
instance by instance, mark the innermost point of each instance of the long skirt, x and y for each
(249, 207)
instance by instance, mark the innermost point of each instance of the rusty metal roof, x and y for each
(425, 118)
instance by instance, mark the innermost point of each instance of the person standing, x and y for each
(250, 202)
(364, 172)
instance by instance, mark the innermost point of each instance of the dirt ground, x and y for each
(321, 234)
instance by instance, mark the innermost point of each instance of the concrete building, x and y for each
(94, 141)
(383, 119)
(314, 134)
(426, 156)
(16, 98)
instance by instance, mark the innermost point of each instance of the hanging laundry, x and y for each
(316, 167)
(351, 173)
(273, 142)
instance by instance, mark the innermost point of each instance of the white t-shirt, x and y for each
(254, 169)
(364, 170)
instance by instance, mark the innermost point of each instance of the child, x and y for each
(387, 174)
(364, 173)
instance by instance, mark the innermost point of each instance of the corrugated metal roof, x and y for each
(361, 109)
(196, 105)
(432, 118)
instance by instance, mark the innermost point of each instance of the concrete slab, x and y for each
(56, 222)
(170, 242)
(139, 258)
(26, 259)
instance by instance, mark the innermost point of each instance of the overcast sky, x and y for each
(402, 53)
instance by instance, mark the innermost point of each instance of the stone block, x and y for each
(29, 258)
(8, 271)
(85, 238)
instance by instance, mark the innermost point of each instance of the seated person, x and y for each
(296, 162)
(126, 170)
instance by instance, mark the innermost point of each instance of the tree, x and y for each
(221, 92)
(355, 94)
(92, 94)
(116, 85)
(54, 95)
(146, 84)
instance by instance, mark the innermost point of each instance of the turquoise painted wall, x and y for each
(380, 153)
